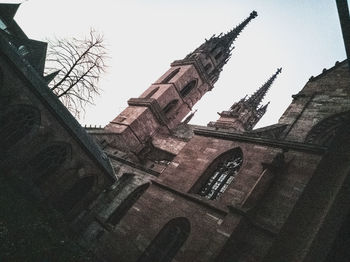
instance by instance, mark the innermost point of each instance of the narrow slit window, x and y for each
(170, 76)
(187, 89)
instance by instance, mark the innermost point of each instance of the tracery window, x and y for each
(187, 89)
(171, 75)
(17, 122)
(221, 173)
(49, 160)
(168, 242)
(127, 203)
(74, 194)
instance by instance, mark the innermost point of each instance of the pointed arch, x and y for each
(207, 67)
(170, 76)
(168, 241)
(324, 131)
(77, 192)
(218, 55)
(126, 204)
(153, 91)
(49, 160)
(170, 106)
(220, 173)
(16, 122)
(188, 88)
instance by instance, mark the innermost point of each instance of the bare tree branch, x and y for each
(80, 64)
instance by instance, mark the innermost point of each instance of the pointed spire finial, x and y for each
(255, 100)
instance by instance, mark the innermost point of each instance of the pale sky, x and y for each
(144, 37)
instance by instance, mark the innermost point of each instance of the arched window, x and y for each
(48, 160)
(170, 76)
(324, 131)
(170, 106)
(127, 203)
(75, 194)
(207, 67)
(16, 122)
(187, 89)
(218, 55)
(150, 94)
(221, 173)
(168, 241)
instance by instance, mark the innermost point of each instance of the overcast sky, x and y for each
(144, 37)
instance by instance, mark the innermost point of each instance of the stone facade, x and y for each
(150, 187)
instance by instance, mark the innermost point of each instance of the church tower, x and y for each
(166, 102)
(245, 114)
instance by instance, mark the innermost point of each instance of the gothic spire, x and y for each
(226, 41)
(214, 53)
(255, 100)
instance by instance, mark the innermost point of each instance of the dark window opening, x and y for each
(187, 89)
(221, 173)
(75, 194)
(218, 55)
(170, 106)
(17, 122)
(170, 76)
(150, 94)
(168, 241)
(48, 160)
(207, 67)
(127, 203)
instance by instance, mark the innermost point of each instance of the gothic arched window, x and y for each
(126, 204)
(187, 89)
(16, 122)
(207, 67)
(324, 131)
(171, 75)
(75, 194)
(218, 55)
(150, 94)
(168, 241)
(170, 106)
(48, 160)
(221, 173)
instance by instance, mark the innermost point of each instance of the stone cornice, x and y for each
(152, 104)
(203, 131)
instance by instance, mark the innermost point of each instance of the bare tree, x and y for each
(75, 66)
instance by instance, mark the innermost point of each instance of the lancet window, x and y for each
(221, 173)
(187, 89)
(123, 208)
(168, 242)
